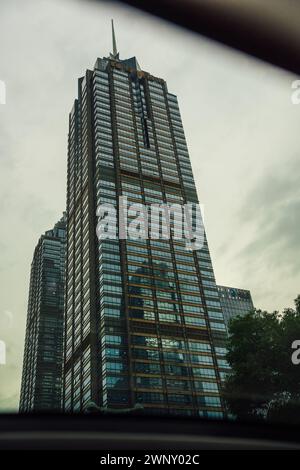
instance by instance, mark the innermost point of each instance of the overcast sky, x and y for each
(241, 128)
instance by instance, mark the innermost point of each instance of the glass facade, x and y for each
(234, 302)
(42, 365)
(143, 318)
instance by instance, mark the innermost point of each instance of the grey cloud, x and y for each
(269, 215)
(274, 207)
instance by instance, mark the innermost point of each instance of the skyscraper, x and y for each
(42, 364)
(143, 318)
(234, 302)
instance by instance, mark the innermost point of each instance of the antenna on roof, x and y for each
(115, 54)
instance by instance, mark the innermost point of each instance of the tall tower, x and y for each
(42, 364)
(143, 318)
(234, 302)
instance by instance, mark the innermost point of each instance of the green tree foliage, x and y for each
(264, 383)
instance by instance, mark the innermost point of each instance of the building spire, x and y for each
(115, 53)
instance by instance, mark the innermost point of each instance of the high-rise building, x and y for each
(42, 365)
(143, 318)
(234, 302)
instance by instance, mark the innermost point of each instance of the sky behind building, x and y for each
(241, 128)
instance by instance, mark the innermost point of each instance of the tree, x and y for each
(263, 382)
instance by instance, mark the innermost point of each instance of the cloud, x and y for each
(8, 403)
(270, 254)
(6, 319)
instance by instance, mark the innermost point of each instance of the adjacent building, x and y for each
(42, 366)
(143, 320)
(234, 302)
